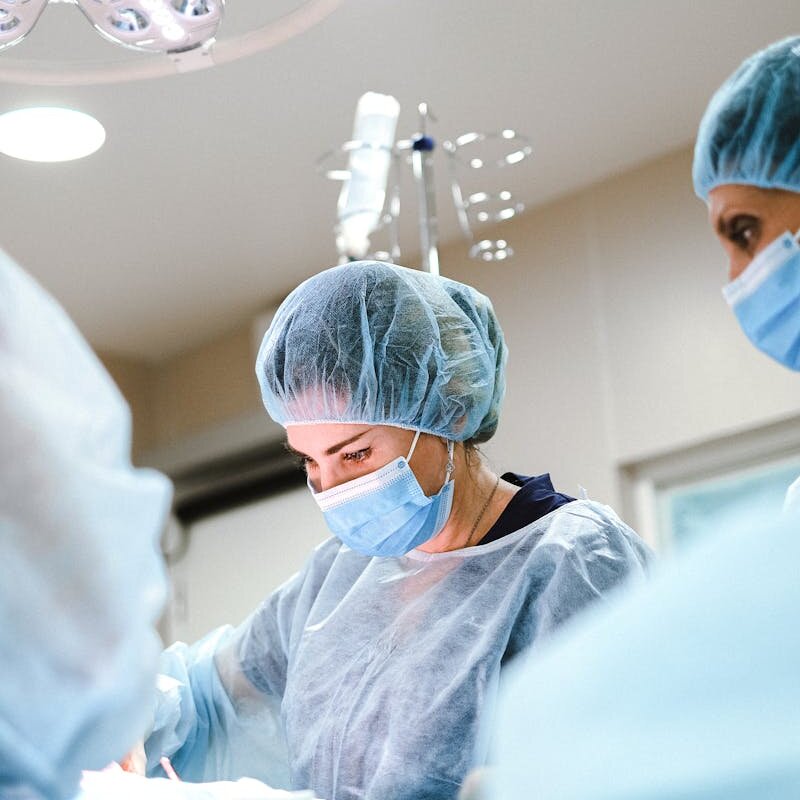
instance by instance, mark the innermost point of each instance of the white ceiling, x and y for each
(204, 205)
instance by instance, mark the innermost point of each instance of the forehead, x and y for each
(735, 196)
(323, 433)
(321, 436)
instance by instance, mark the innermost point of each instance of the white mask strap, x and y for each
(450, 465)
(413, 446)
(450, 449)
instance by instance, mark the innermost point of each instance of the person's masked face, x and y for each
(747, 219)
(363, 480)
(759, 229)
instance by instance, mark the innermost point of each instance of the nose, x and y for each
(328, 477)
(736, 266)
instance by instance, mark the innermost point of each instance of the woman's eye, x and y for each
(306, 462)
(743, 231)
(358, 456)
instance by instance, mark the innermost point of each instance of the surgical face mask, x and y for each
(766, 300)
(386, 513)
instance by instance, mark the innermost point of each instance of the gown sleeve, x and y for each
(217, 712)
(210, 718)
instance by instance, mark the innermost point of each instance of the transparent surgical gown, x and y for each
(368, 677)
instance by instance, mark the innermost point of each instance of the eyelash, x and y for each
(356, 457)
(742, 230)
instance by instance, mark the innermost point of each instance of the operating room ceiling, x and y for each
(204, 206)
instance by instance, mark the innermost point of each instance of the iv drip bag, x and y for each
(363, 193)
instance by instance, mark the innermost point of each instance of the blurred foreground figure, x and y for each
(81, 580)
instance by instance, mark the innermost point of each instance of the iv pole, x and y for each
(365, 205)
(422, 165)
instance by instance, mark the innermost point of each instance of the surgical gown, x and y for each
(685, 689)
(368, 677)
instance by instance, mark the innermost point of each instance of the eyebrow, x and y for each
(331, 450)
(720, 223)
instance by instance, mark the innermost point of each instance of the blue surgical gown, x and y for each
(685, 689)
(368, 677)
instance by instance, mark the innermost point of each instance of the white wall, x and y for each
(237, 558)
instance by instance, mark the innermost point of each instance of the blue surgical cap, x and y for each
(750, 133)
(375, 343)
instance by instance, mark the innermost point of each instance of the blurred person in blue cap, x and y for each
(82, 582)
(81, 579)
(689, 687)
(366, 674)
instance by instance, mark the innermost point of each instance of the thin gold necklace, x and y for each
(483, 510)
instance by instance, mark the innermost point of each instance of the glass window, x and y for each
(686, 512)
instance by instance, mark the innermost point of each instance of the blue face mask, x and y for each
(766, 300)
(386, 513)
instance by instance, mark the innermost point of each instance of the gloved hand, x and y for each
(136, 760)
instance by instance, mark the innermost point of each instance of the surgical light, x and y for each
(172, 37)
(49, 134)
(160, 26)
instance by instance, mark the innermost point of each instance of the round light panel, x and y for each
(49, 134)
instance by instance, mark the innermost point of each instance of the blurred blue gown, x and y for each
(367, 677)
(687, 688)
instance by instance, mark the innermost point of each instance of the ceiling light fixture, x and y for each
(160, 26)
(49, 134)
(182, 30)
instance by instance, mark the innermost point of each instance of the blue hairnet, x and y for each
(750, 133)
(369, 342)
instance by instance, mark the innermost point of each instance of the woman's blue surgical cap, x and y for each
(375, 343)
(750, 133)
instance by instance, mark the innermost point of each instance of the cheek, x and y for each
(430, 471)
(737, 265)
(737, 259)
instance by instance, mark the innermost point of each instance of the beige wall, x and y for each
(136, 381)
(621, 345)
(190, 393)
(206, 386)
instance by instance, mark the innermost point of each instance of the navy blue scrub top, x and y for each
(535, 499)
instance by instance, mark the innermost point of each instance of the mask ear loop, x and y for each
(450, 463)
(413, 446)
(450, 450)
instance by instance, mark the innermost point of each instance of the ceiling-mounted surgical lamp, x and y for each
(160, 26)
(175, 36)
